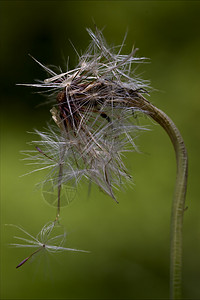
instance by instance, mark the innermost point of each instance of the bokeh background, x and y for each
(129, 242)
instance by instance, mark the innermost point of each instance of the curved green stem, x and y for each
(178, 206)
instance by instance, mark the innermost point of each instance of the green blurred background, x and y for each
(130, 241)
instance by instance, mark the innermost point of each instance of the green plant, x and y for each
(93, 128)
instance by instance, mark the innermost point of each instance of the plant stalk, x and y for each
(178, 205)
(60, 176)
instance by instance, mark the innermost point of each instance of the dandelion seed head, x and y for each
(93, 115)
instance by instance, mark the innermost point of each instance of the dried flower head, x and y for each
(93, 113)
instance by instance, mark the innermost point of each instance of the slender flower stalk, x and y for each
(94, 127)
(178, 206)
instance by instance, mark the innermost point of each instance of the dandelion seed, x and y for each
(47, 239)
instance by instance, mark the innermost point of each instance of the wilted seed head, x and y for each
(93, 111)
